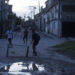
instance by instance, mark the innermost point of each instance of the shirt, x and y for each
(9, 33)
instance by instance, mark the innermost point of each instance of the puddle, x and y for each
(19, 67)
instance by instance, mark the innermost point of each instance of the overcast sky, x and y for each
(21, 7)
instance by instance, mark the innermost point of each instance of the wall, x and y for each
(55, 22)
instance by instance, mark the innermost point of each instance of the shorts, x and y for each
(35, 42)
(9, 39)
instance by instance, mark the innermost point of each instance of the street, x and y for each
(49, 51)
(43, 64)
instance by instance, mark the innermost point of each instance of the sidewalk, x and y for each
(4, 44)
(3, 47)
(44, 43)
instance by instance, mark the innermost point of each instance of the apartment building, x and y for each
(59, 18)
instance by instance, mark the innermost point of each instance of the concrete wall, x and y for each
(54, 25)
(55, 28)
(54, 20)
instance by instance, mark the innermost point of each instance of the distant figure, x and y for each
(9, 34)
(25, 37)
(35, 41)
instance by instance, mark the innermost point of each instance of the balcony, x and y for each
(67, 0)
(68, 16)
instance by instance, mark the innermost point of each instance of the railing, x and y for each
(68, 16)
(67, 0)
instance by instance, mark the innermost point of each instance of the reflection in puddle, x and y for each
(22, 67)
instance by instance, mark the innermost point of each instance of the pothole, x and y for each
(21, 67)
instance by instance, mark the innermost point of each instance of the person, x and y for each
(25, 37)
(9, 34)
(35, 41)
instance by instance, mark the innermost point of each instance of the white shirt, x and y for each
(9, 33)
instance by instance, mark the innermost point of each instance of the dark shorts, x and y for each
(9, 39)
(25, 36)
(35, 42)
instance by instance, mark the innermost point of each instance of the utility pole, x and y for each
(31, 14)
(38, 1)
(32, 11)
(39, 5)
(24, 17)
(39, 13)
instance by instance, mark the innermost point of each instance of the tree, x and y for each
(18, 20)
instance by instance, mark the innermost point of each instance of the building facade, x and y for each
(68, 18)
(58, 18)
(5, 10)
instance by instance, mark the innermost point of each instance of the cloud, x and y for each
(22, 6)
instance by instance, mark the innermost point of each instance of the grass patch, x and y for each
(67, 48)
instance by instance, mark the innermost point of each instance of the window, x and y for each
(68, 8)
